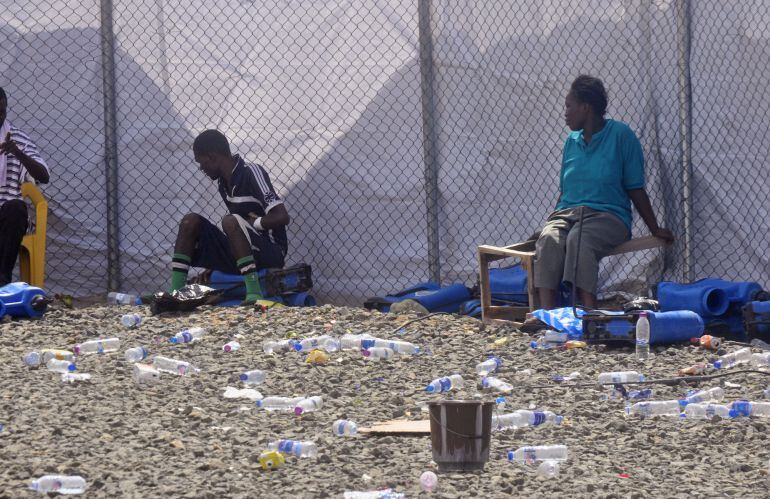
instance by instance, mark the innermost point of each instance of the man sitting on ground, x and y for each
(254, 234)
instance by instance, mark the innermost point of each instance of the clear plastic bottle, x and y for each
(552, 336)
(60, 366)
(35, 359)
(428, 481)
(173, 366)
(114, 298)
(530, 454)
(373, 494)
(655, 408)
(286, 404)
(231, 346)
(253, 377)
(62, 484)
(353, 341)
(445, 384)
(489, 366)
(131, 320)
(643, 337)
(324, 342)
(698, 396)
(99, 346)
(760, 359)
(493, 383)
(548, 469)
(72, 377)
(524, 417)
(277, 346)
(297, 448)
(344, 427)
(706, 411)
(310, 404)
(188, 335)
(145, 374)
(398, 346)
(378, 353)
(620, 377)
(733, 358)
(136, 354)
(543, 344)
(746, 408)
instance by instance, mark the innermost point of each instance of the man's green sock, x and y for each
(249, 272)
(180, 265)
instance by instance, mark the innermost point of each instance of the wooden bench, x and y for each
(525, 251)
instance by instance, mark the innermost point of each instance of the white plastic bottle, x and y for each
(297, 448)
(73, 377)
(698, 396)
(398, 346)
(253, 377)
(524, 417)
(552, 336)
(445, 384)
(188, 335)
(746, 408)
(231, 346)
(378, 353)
(131, 320)
(548, 469)
(353, 341)
(114, 298)
(145, 374)
(493, 383)
(760, 359)
(344, 427)
(620, 377)
(60, 366)
(643, 337)
(530, 454)
(310, 404)
(62, 484)
(706, 411)
(489, 366)
(733, 358)
(655, 408)
(36, 359)
(279, 346)
(325, 342)
(173, 366)
(136, 354)
(99, 346)
(286, 404)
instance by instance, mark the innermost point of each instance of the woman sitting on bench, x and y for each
(602, 171)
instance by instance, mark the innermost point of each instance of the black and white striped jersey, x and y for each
(16, 173)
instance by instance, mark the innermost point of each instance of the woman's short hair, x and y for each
(590, 90)
(211, 141)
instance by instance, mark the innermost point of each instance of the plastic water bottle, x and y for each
(173, 366)
(760, 359)
(445, 384)
(398, 346)
(62, 484)
(114, 298)
(489, 366)
(378, 353)
(745, 408)
(35, 359)
(552, 336)
(698, 396)
(145, 374)
(310, 404)
(353, 341)
(706, 411)
(548, 469)
(496, 384)
(231, 346)
(280, 346)
(72, 377)
(523, 417)
(99, 346)
(324, 342)
(538, 453)
(136, 354)
(188, 335)
(733, 358)
(254, 377)
(373, 494)
(655, 408)
(344, 427)
(620, 377)
(643, 337)
(60, 366)
(131, 320)
(428, 481)
(286, 404)
(297, 448)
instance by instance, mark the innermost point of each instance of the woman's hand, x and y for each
(664, 234)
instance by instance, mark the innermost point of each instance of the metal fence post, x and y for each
(430, 149)
(110, 145)
(685, 128)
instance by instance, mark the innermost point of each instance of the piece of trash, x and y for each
(131, 320)
(62, 484)
(317, 357)
(489, 366)
(231, 346)
(693, 370)
(271, 460)
(530, 454)
(501, 342)
(548, 469)
(378, 353)
(624, 475)
(310, 404)
(344, 427)
(145, 374)
(560, 379)
(729, 384)
(707, 341)
(731, 359)
(655, 408)
(522, 418)
(373, 494)
(526, 372)
(445, 384)
(98, 346)
(366, 478)
(60, 366)
(136, 354)
(253, 377)
(497, 384)
(620, 377)
(72, 377)
(428, 481)
(242, 393)
(188, 335)
(285, 404)
(306, 448)
(174, 366)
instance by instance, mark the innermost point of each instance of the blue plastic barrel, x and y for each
(447, 299)
(17, 299)
(702, 297)
(674, 327)
(302, 299)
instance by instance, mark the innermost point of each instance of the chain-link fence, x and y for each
(401, 134)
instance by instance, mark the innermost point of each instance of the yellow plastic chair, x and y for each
(32, 251)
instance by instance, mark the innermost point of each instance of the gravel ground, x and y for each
(181, 438)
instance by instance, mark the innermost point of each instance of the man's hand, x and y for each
(202, 278)
(664, 234)
(9, 146)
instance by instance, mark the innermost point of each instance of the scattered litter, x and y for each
(131, 320)
(241, 393)
(548, 469)
(428, 481)
(708, 342)
(231, 346)
(271, 460)
(73, 377)
(317, 357)
(306, 448)
(145, 374)
(694, 370)
(344, 427)
(560, 379)
(531, 454)
(61, 484)
(374, 494)
(730, 384)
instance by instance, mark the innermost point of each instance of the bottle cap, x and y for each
(244, 376)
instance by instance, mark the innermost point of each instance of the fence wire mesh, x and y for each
(366, 113)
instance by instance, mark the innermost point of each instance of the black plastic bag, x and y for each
(641, 303)
(185, 299)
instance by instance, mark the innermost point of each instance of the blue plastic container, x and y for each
(303, 299)
(18, 300)
(674, 327)
(707, 297)
(447, 299)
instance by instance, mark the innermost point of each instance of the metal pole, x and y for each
(110, 146)
(429, 142)
(685, 129)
